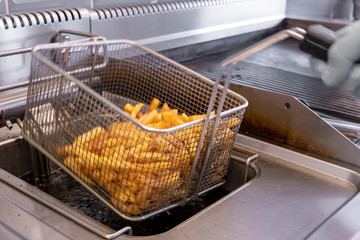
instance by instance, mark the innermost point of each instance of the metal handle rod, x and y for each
(343, 125)
(15, 51)
(229, 63)
(29, 49)
(297, 33)
(73, 32)
(13, 86)
(247, 163)
(247, 166)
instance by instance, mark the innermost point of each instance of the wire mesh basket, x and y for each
(75, 115)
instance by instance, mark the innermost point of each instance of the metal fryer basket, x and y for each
(74, 115)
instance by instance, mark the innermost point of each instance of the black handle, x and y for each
(318, 40)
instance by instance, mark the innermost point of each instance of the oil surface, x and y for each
(66, 189)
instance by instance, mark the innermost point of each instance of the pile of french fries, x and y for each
(140, 170)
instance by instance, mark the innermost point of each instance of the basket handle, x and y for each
(62, 31)
(227, 66)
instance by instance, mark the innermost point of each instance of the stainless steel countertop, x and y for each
(291, 196)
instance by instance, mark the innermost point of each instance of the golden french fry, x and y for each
(148, 157)
(173, 179)
(165, 108)
(128, 108)
(106, 175)
(138, 168)
(154, 105)
(74, 164)
(181, 158)
(88, 160)
(91, 141)
(136, 110)
(151, 117)
(112, 142)
(172, 118)
(116, 128)
(139, 115)
(161, 125)
(233, 122)
(174, 112)
(129, 186)
(197, 117)
(67, 150)
(142, 200)
(145, 180)
(160, 144)
(184, 117)
(114, 152)
(143, 147)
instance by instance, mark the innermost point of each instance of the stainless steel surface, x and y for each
(350, 130)
(337, 11)
(144, 75)
(31, 219)
(21, 151)
(299, 201)
(343, 224)
(10, 212)
(250, 157)
(57, 207)
(187, 22)
(16, 6)
(4, 7)
(12, 102)
(356, 11)
(116, 3)
(282, 120)
(30, 29)
(304, 190)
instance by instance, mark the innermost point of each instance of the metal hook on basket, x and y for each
(227, 66)
(95, 50)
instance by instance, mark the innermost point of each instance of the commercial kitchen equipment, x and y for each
(294, 170)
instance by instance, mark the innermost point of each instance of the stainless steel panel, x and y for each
(33, 220)
(117, 3)
(180, 23)
(28, 30)
(343, 225)
(4, 7)
(38, 5)
(287, 120)
(272, 206)
(337, 11)
(16, 223)
(356, 11)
